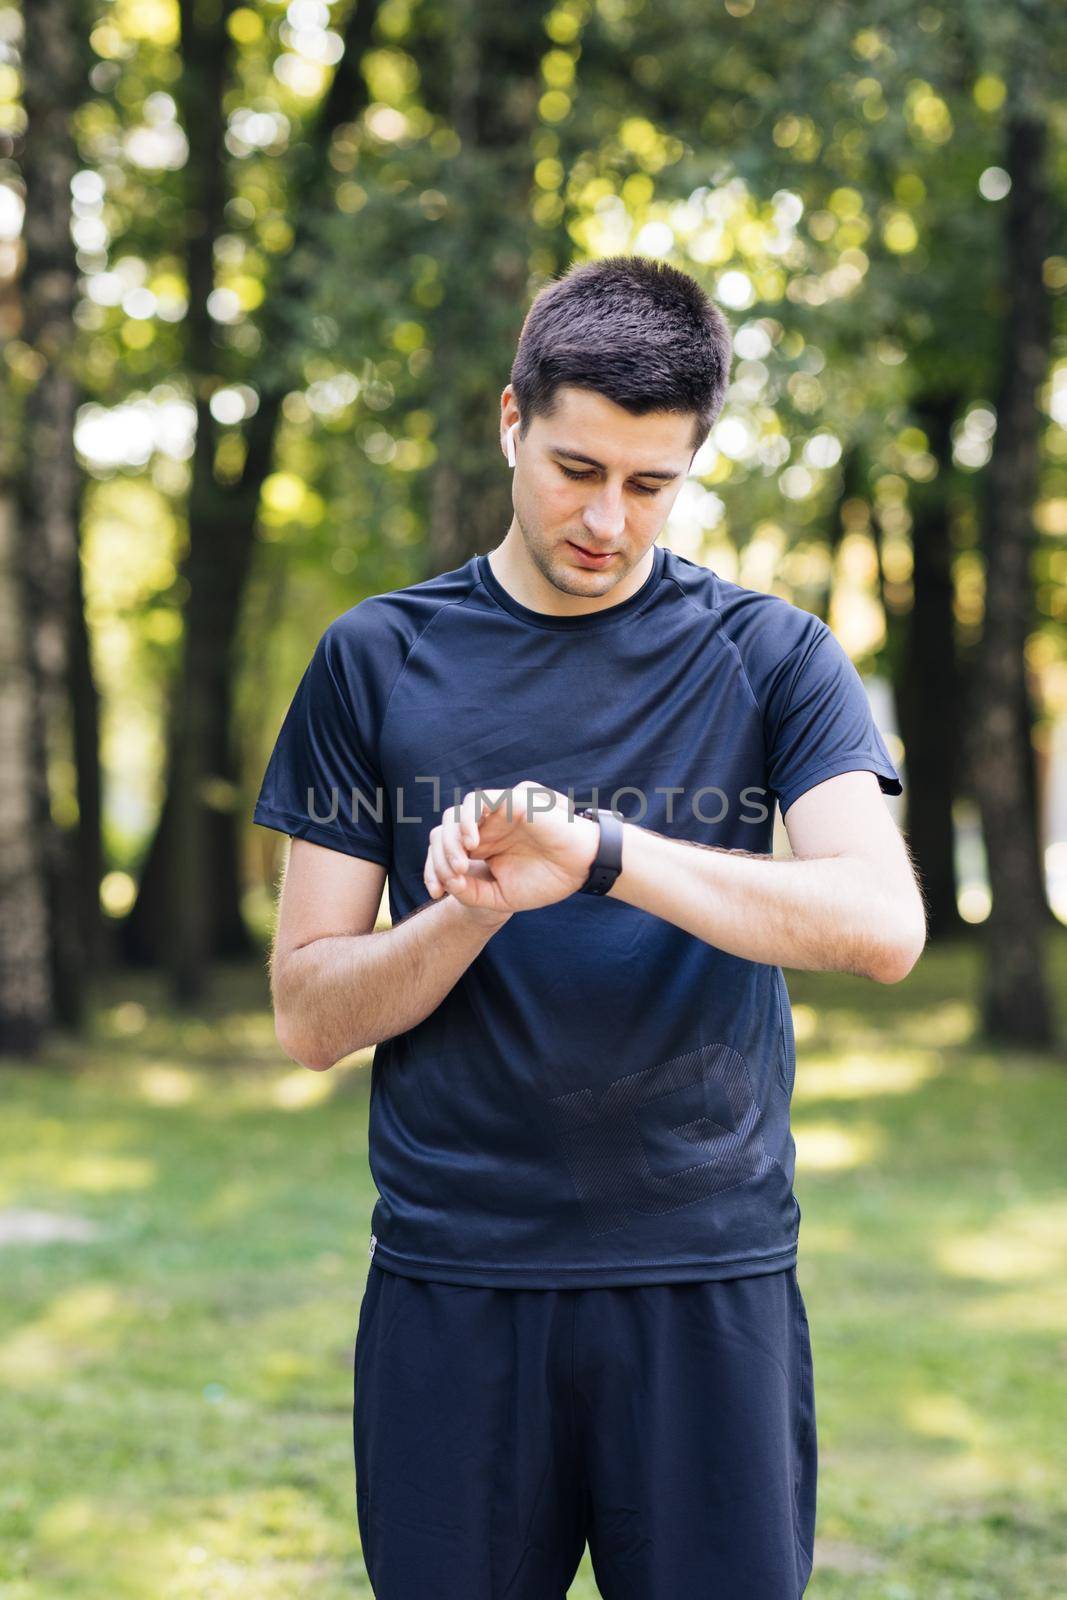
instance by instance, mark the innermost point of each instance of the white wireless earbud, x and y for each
(510, 444)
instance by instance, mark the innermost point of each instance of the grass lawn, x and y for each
(175, 1375)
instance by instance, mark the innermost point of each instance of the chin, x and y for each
(618, 568)
(567, 566)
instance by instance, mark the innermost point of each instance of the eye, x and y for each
(581, 477)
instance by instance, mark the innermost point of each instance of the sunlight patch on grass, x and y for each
(840, 1555)
(96, 1172)
(79, 1326)
(829, 1147)
(856, 1077)
(231, 1200)
(1042, 1308)
(249, 1030)
(284, 1373)
(164, 1085)
(125, 1020)
(89, 1545)
(976, 1470)
(943, 1416)
(68, 1519)
(805, 1023)
(22, 1227)
(827, 1238)
(256, 1544)
(54, 1166)
(980, 1462)
(952, 1023)
(1026, 1242)
(348, 1065)
(296, 1090)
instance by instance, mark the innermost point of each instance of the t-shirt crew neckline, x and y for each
(584, 620)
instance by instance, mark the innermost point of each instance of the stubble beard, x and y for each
(551, 563)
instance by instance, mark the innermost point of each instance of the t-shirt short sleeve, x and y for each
(819, 721)
(322, 781)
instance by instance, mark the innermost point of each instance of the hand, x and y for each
(510, 850)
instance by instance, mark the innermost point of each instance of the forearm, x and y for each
(825, 914)
(344, 992)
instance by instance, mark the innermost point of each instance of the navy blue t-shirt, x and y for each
(602, 1098)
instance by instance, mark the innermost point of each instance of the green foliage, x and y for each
(831, 174)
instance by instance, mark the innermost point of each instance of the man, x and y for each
(582, 1319)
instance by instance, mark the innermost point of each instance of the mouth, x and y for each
(591, 558)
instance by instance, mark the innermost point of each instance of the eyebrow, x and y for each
(641, 472)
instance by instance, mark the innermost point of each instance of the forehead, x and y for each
(589, 422)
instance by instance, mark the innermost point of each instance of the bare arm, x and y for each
(847, 902)
(339, 986)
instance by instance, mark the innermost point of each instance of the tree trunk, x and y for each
(853, 488)
(25, 964)
(188, 907)
(485, 82)
(49, 480)
(1016, 1006)
(95, 937)
(929, 689)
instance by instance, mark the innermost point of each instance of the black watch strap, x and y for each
(607, 864)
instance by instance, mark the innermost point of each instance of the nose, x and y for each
(605, 514)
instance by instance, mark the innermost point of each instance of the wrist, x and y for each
(604, 866)
(633, 836)
(482, 917)
(589, 834)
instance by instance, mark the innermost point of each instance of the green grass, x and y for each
(175, 1391)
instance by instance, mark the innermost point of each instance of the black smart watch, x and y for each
(607, 864)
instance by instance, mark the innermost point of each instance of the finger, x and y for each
(496, 816)
(477, 890)
(469, 819)
(467, 891)
(446, 875)
(430, 879)
(451, 840)
(436, 850)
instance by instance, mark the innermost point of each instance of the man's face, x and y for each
(611, 504)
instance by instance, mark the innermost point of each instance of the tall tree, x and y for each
(484, 83)
(48, 490)
(25, 965)
(188, 905)
(1016, 1006)
(929, 680)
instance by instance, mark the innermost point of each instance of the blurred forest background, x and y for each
(262, 271)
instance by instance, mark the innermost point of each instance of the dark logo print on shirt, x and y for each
(602, 1138)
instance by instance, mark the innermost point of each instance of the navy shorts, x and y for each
(672, 1426)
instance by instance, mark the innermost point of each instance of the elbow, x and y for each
(298, 1048)
(290, 1027)
(894, 966)
(897, 957)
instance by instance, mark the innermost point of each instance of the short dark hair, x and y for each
(632, 328)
